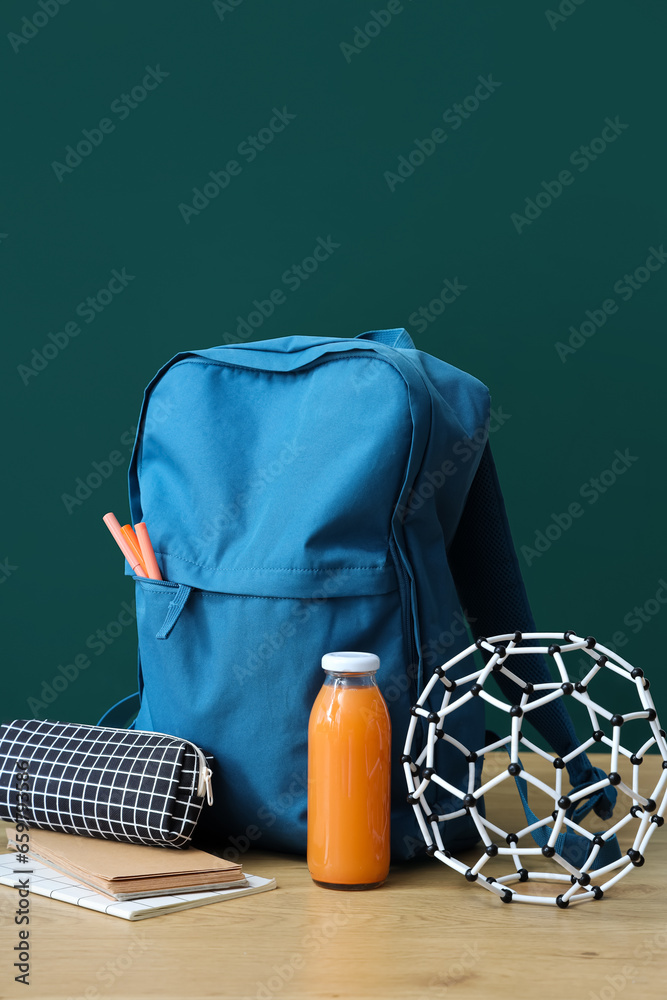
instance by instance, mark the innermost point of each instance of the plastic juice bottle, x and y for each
(349, 742)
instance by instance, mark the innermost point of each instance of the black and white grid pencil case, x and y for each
(120, 784)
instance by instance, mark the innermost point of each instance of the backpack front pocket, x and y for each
(238, 675)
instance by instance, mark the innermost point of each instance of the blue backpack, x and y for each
(306, 495)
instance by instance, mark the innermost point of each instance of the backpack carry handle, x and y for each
(392, 338)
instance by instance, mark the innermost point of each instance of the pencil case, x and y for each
(118, 784)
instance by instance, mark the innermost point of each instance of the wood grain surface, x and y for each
(425, 934)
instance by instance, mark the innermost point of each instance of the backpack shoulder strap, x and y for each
(120, 715)
(488, 579)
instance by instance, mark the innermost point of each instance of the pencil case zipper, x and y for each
(204, 786)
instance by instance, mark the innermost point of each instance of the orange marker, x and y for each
(114, 527)
(131, 538)
(147, 554)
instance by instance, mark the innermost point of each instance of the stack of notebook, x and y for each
(126, 880)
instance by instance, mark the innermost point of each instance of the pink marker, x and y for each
(114, 527)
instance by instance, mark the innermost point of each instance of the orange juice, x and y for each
(349, 741)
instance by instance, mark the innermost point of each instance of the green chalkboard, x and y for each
(488, 175)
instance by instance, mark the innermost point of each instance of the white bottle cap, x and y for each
(351, 663)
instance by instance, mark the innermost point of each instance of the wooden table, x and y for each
(425, 934)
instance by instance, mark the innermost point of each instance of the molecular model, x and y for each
(583, 864)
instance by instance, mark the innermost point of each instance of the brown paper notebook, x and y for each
(129, 871)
